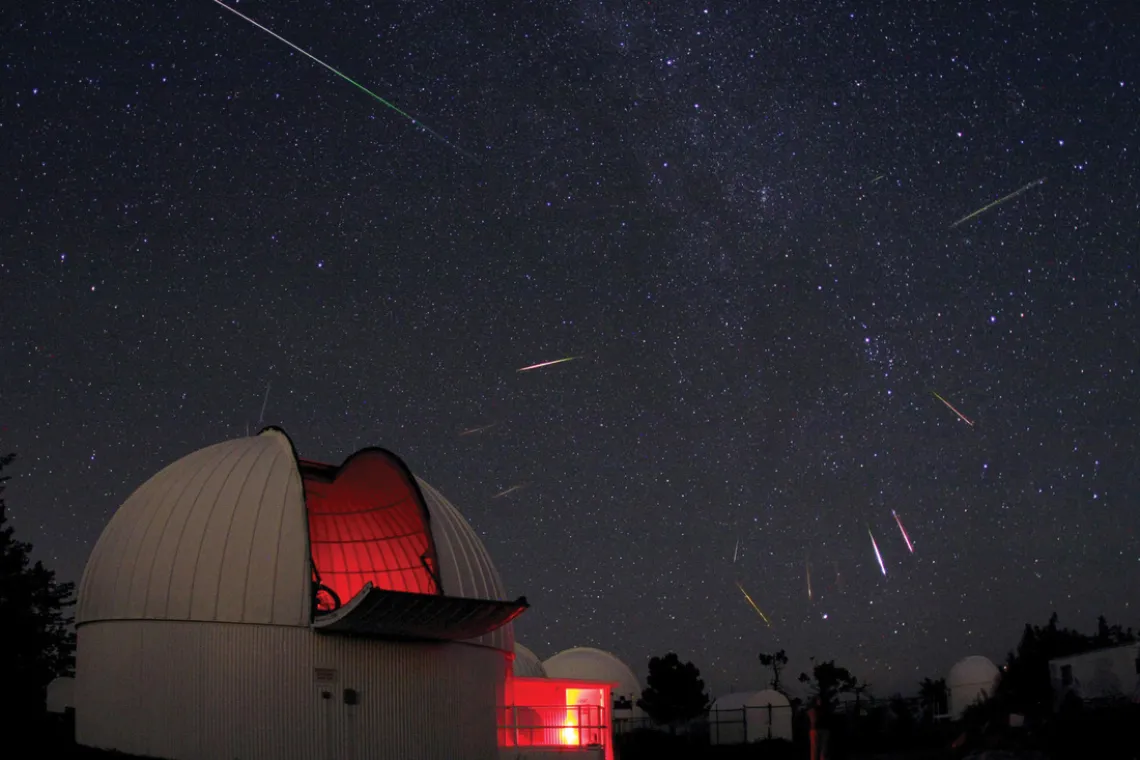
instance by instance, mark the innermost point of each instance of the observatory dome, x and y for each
(589, 664)
(527, 664)
(767, 714)
(60, 695)
(243, 531)
(972, 679)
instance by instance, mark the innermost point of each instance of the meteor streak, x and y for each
(415, 122)
(480, 429)
(807, 568)
(264, 403)
(547, 364)
(758, 612)
(736, 551)
(998, 202)
(950, 406)
(877, 555)
(906, 538)
(509, 491)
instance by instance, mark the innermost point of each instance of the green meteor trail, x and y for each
(998, 202)
(416, 122)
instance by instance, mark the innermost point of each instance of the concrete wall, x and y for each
(204, 691)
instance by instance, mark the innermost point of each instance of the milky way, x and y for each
(737, 215)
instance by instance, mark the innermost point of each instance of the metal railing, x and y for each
(723, 726)
(750, 724)
(569, 726)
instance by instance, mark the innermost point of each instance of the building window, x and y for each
(1066, 675)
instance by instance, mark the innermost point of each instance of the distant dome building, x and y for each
(527, 664)
(972, 679)
(753, 716)
(60, 695)
(589, 664)
(246, 603)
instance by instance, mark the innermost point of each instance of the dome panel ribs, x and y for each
(260, 581)
(232, 533)
(155, 600)
(215, 532)
(238, 554)
(184, 560)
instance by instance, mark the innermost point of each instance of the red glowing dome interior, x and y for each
(367, 523)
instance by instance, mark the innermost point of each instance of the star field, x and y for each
(737, 214)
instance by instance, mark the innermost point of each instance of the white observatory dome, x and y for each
(245, 602)
(971, 680)
(527, 664)
(61, 695)
(224, 535)
(589, 664)
(759, 722)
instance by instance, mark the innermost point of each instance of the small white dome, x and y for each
(589, 664)
(60, 695)
(230, 534)
(527, 664)
(745, 717)
(972, 679)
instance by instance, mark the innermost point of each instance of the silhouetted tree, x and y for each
(675, 692)
(38, 642)
(901, 714)
(1111, 635)
(933, 696)
(859, 689)
(776, 661)
(828, 681)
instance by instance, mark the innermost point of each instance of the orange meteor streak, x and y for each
(547, 364)
(951, 408)
(906, 538)
(758, 612)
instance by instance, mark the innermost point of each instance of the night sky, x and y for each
(739, 215)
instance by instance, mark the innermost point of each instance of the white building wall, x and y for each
(1103, 674)
(204, 691)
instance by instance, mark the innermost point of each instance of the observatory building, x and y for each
(592, 664)
(247, 603)
(527, 664)
(972, 679)
(753, 716)
(563, 712)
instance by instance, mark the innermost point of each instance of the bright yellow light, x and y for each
(571, 737)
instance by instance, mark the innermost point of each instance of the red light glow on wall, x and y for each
(366, 524)
(556, 713)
